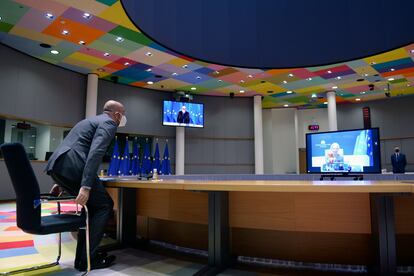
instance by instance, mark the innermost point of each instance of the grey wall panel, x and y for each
(40, 91)
(6, 188)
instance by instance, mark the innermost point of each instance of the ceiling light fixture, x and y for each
(216, 72)
(284, 82)
(49, 15)
(241, 81)
(313, 95)
(193, 88)
(286, 105)
(185, 66)
(82, 42)
(391, 79)
(289, 92)
(363, 92)
(338, 78)
(148, 54)
(219, 80)
(86, 15)
(149, 70)
(119, 39)
(126, 63)
(412, 51)
(357, 99)
(107, 54)
(1, 18)
(329, 72)
(242, 91)
(334, 87)
(65, 32)
(150, 82)
(309, 79)
(392, 69)
(373, 63)
(101, 70)
(174, 74)
(198, 77)
(55, 52)
(250, 76)
(290, 75)
(325, 102)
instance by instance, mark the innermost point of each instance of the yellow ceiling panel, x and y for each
(116, 14)
(388, 56)
(88, 59)
(33, 35)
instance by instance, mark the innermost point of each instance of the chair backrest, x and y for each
(25, 186)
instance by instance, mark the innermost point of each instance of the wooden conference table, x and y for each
(381, 204)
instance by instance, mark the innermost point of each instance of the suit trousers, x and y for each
(100, 207)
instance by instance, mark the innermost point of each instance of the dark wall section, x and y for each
(40, 91)
(394, 117)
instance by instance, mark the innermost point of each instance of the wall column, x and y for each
(258, 134)
(179, 150)
(91, 95)
(333, 123)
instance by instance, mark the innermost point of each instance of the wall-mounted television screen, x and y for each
(183, 114)
(348, 151)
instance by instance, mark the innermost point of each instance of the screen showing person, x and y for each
(183, 116)
(344, 151)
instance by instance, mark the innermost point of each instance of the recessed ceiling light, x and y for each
(392, 69)
(285, 105)
(193, 88)
(126, 63)
(241, 81)
(289, 92)
(198, 77)
(149, 70)
(81, 42)
(313, 95)
(250, 76)
(219, 80)
(107, 54)
(365, 75)
(284, 82)
(373, 62)
(338, 78)
(101, 70)
(329, 72)
(49, 15)
(363, 92)
(148, 54)
(241, 91)
(185, 66)
(357, 99)
(216, 72)
(65, 32)
(150, 82)
(325, 102)
(174, 74)
(408, 84)
(1, 18)
(55, 52)
(309, 79)
(86, 15)
(119, 39)
(334, 87)
(412, 51)
(290, 75)
(391, 79)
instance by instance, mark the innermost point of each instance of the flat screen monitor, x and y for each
(183, 114)
(348, 151)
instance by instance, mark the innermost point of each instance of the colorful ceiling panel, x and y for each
(91, 36)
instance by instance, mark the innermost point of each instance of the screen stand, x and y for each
(355, 177)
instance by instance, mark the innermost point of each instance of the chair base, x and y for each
(29, 269)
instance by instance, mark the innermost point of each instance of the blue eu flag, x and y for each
(115, 158)
(135, 167)
(166, 166)
(146, 160)
(124, 166)
(156, 164)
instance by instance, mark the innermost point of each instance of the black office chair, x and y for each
(28, 205)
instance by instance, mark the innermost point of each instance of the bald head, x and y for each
(115, 110)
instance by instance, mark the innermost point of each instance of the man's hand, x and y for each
(56, 190)
(83, 196)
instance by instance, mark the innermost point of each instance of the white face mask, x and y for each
(123, 121)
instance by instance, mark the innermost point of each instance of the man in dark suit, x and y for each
(74, 165)
(398, 161)
(183, 116)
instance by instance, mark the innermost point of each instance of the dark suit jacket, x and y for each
(183, 118)
(398, 165)
(81, 152)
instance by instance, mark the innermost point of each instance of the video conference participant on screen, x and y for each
(183, 116)
(334, 157)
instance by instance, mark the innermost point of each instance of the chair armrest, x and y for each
(57, 199)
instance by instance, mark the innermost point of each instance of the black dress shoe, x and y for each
(99, 263)
(99, 255)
